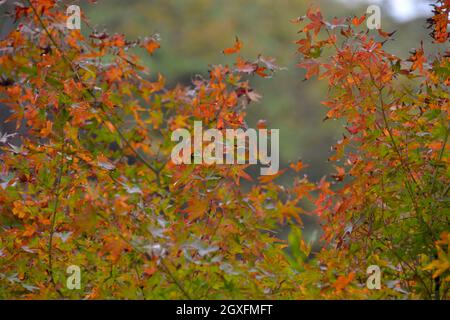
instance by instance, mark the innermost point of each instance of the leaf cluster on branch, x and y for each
(91, 183)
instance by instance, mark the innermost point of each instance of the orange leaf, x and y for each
(245, 66)
(339, 176)
(262, 124)
(343, 281)
(270, 178)
(312, 68)
(45, 132)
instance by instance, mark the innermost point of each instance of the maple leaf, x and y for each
(6, 82)
(418, 59)
(343, 281)
(357, 21)
(440, 265)
(47, 130)
(5, 136)
(20, 10)
(19, 209)
(197, 208)
(235, 49)
(113, 74)
(339, 176)
(107, 179)
(245, 175)
(298, 166)
(149, 271)
(29, 230)
(104, 163)
(261, 72)
(269, 62)
(99, 35)
(298, 19)
(270, 178)
(316, 19)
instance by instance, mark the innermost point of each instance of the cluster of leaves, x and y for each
(392, 209)
(92, 184)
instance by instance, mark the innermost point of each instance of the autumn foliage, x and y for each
(92, 184)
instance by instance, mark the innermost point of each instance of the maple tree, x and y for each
(92, 184)
(392, 210)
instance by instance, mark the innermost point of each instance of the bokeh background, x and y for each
(193, 34)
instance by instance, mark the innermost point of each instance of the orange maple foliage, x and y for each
(91, 183)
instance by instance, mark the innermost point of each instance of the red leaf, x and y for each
(151, 45)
